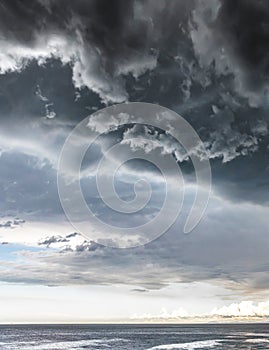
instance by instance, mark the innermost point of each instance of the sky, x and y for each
(61, 63)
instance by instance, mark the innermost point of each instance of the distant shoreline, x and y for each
(136, 324)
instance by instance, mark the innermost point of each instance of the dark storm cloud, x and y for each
(103, 20)
(103, 40)
(111, 25)
(231, 113)
(245, 25)
(206, 59)
(231, 37)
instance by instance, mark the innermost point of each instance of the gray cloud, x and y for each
(7, 224)
(12, 223)
(245, 26)
(140, 290)
(101, 40)
(231, 38)
(67, 59)
(225, 143)
(235, 255)
(53, 239)
(32, 190)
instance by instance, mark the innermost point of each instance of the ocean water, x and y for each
(133, 337)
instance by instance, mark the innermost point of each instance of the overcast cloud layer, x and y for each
(208, 60)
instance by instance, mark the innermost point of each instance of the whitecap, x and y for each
(188, 346)
(257, 340)
(66, 344)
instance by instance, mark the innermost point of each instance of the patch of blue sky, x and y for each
(10, 252)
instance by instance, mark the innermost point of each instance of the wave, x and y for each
(105, 343)
(188, 346)
(257, 340)
(247, 334)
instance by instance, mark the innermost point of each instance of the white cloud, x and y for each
(225, 143)
(85, 60)
(164, 315)
(100, 123)
(245, 309)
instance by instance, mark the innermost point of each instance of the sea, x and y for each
(135, 337)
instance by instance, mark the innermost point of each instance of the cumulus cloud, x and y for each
(51, 240)
(164, 315)
(7, 224)
(70, 242)
(245, 310)
(12, 223)
(226, 142)
(148, 139)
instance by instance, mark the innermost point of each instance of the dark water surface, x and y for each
(133, 337)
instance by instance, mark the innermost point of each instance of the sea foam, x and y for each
(188, 346)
